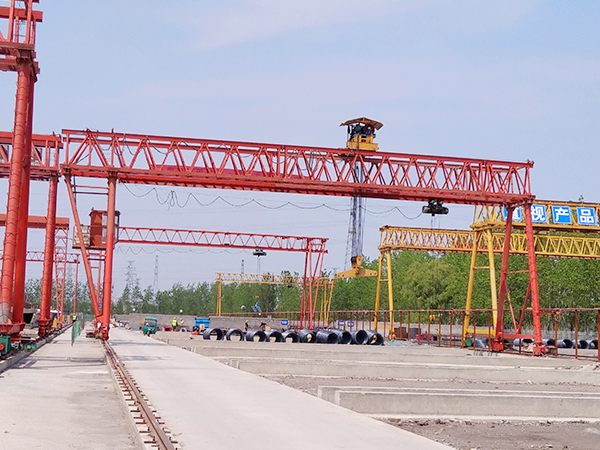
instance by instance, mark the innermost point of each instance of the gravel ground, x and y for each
(475, 434)
(503, 435)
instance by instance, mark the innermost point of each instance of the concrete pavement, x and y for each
(209, 405)
(63, 396)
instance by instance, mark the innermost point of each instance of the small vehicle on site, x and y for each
(200, 324)
(149, 327)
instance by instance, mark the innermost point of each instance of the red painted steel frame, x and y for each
(159, 160)
(17, 54)
(44, 155)
(284, 168)
(219, 239)
(49, 248)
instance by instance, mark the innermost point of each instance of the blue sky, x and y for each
(507, 80)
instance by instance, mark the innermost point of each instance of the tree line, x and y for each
(421, 280)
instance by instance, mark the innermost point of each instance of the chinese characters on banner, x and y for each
(561, 215)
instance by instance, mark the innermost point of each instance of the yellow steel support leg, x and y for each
(392, 335)
(492, 265)
(219, 286)
(467, 317)
(378, 293)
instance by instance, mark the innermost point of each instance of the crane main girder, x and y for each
(459, 241)
(267, 278)
(38, 256)
(165, 236)
(142, 159)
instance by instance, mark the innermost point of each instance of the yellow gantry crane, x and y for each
(562, 230)
(325, 286)
(361, 133)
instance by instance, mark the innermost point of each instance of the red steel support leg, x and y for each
(498, 343)
(84, 253)
(13, 203)
(46, 300)
(108, 259)
(21, 246)
(538, 348)
(76, 284)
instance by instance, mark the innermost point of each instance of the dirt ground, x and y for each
(475, 434)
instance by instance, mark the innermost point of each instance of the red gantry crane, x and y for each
(314, 248)
(208, 163)
(160, 160)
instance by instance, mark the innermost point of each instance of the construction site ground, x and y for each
(524, 415)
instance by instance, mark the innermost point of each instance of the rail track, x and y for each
(151, 427)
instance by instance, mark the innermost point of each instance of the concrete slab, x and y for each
(549, 405)
(63, 396)
(209, 405)
(587, 375)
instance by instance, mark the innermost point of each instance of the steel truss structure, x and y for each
(159, 160)
(17, 54)
(489, 236)
(60, 260)
(314, 248)
(325, 285)
(44, 167)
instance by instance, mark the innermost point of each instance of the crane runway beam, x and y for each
(208, 163)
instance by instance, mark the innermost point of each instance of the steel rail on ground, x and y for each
(161, 440)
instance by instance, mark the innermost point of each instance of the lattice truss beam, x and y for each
(267, 278)
(457, 241)
(285, 168)
(166, 236)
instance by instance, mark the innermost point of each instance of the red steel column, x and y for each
(46, 300)
(538, 348)
(108, 258)
(76, 281)
(21, 246)
(14, 191)
(84, 253)
(498, 343)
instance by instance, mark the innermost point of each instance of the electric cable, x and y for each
(172, 201)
